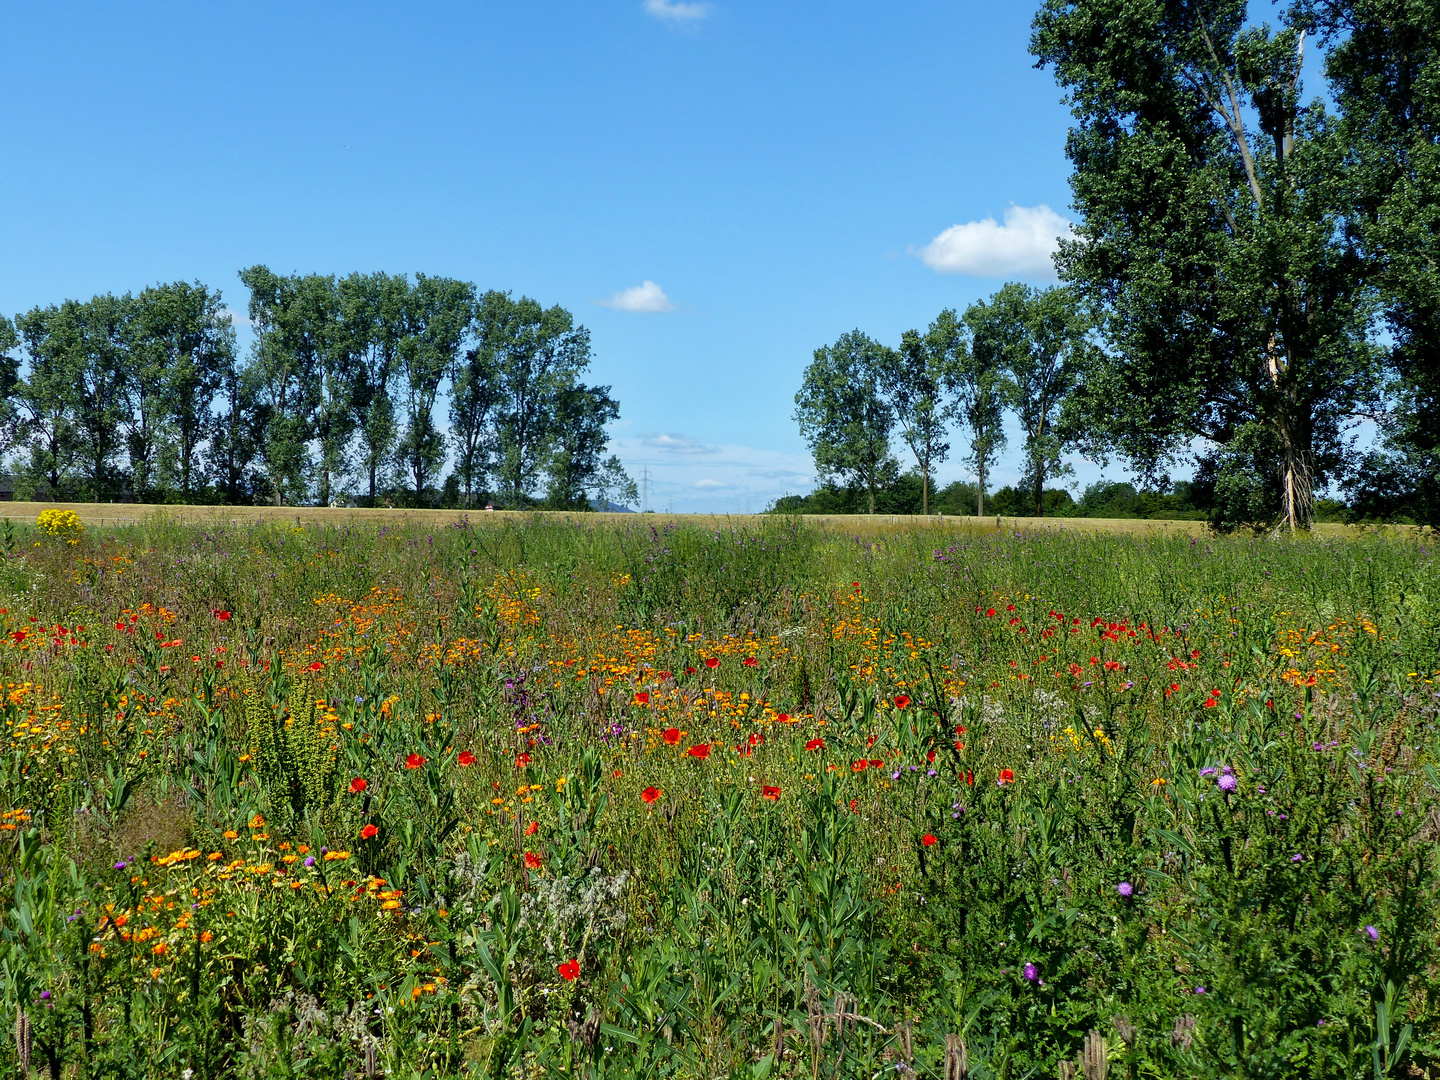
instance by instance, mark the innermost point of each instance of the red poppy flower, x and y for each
(755, 738)
(570, 970)
(990, 612)
(815, 744)
(750, 661)
(662, 675)
(1113, 665)
(358, 785)
(930, 757)
(689, 671)
(782, 718)
(642, 698)
(928, 840)
(223, 616)
(466, 758)
(771, 793)
(649, 795)
(20, 635)
(858, 766)
(533, 861)
(959, 729)
(959, 746)
(532, 828)
(522, 760)
(712, 662)
(413, 761)
(671, 736)
(877, 763)
(316, 665)
(1007, 776)
(902, 701)
(700, 750)
(369, 832)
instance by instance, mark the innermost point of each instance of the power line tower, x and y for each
(645, 490)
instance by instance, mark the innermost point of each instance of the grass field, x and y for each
(345, 793)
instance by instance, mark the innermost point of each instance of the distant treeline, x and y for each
(143, 397)
(1183, 501)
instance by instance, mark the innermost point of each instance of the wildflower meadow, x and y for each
(577, 798)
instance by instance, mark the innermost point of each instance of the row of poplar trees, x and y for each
(1253, 288)
(144, 396)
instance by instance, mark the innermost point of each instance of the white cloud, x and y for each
(1023, 247)
(710, 485)
(237, 317)
(646, 297)
(676, 11)
(677, 444)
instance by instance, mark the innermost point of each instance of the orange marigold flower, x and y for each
(533, 861)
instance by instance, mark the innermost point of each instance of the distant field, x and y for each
(102, 514)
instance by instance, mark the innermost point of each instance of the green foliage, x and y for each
(1215, 244)
(804, 899)
(843, 414)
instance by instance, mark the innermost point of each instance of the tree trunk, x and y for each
(925, 492)
(1297, 497)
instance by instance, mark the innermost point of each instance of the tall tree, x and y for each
(843, 414)
(182, 346)
(980, 386)
(9, 380)
(440, 314)
(1384, 72)
(283, 378)
(578, 443)
(46, 401)
(1041, 341)
(93, 336)
(918, 381)
(373, 309)
(1212, 239)
(475, 393)
(538, 352)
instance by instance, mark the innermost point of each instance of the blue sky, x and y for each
(756, 178)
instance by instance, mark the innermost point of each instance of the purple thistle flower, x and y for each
(310, 860)
(1199, 989)
(1296, 858)
(1125, 889)
(1032, 973)
(44, 995)
(1209, 770)
(121, 865)
(1227, 783)
(1374, 934)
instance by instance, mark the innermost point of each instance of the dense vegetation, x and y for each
(1252, 275)
(549, 798)
(143, 397)
(1185, 501)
